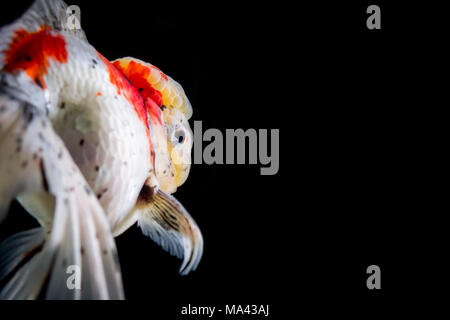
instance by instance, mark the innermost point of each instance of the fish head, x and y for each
(179, 144)
(169, 111)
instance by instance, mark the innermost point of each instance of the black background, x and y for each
(344, 197)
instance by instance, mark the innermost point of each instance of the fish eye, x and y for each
(179, 136)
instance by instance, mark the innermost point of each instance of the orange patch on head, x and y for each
(99, 93)
(138, 75)
(31, 51)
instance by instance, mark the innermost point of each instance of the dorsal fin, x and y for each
(51, 13)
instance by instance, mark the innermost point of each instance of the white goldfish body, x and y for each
(88, 147)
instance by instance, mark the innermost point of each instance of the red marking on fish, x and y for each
(125, 88)
(154, 111)
(99, 93)
(138, 74)
(31, 52)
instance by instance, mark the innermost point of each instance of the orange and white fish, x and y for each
(89, 148)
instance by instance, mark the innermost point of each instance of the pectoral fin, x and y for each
(167, 222)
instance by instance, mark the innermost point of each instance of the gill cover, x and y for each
(169, 110)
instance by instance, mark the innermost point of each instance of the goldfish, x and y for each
(89, 147)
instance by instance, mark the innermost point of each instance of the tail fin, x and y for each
(34, 159)
(166, 222)
(78, 240)
(17, 248)
(85, 241)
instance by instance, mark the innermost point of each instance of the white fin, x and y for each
(18, 247)
(167, 222)
(34, 159)
(29, 280)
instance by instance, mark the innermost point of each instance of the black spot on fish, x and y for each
(140, 89)
(27, 58)
(38, 82)
(82, 251)
(88, 191)
(81, 142)
(62, 105)
(97, 168)
(24, 164)
(100, 195)
(105, 252)
(163, 107)
(41, 136)
(60, 154)
(44, 177)
(94, 61)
